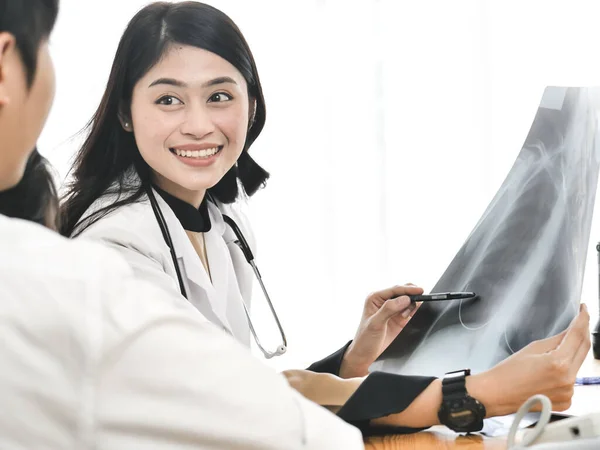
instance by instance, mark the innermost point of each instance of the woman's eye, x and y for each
(220, 97)
(168, 100)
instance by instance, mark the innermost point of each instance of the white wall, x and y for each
(381, 115)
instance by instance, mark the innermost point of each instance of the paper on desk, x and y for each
(526, 256)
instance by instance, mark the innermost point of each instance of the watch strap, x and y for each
(454, 384)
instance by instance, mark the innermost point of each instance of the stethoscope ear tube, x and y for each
(164, 229)
(243, 245)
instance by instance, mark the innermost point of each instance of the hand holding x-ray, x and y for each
(525, 258)
(546, 366)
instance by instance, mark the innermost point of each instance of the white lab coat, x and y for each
(134, 232)
(93, 358)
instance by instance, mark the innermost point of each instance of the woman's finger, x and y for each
(411, 310)
(576, 334)
(397, 291)
(581, 354)
(545, 345)
(389, 309)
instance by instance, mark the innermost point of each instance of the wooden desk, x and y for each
(585, 400)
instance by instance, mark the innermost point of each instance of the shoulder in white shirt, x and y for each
(93, 358)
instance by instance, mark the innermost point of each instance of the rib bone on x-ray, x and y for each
(525, 258)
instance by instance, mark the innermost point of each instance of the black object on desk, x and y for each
(596, 331)
(443, 296)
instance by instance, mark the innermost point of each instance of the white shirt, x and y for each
(92, 358)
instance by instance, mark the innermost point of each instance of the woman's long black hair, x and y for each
(109, 153)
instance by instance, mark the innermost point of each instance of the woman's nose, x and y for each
(197, 123)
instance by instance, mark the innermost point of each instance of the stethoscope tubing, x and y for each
(245, 248)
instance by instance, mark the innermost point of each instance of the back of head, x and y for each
(30, 22)
(27, 81)
(35, 197)
(110, 153)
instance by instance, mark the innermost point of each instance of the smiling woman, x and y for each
(182, 107)
(173, 89)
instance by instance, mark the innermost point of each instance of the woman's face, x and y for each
(189, 115)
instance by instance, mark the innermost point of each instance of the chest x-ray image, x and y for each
(525, 258)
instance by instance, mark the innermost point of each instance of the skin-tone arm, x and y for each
(547, 366)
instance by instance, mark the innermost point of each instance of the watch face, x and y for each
(462, 415)
(462, 418)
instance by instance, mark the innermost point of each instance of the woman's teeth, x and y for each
(196, 153)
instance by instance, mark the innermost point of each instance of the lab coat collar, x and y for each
(192, 219)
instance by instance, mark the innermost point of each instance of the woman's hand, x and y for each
(547, 366)
(383, 319)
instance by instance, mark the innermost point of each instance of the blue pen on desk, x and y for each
(579, 381)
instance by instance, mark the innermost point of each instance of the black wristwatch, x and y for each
(459, 411)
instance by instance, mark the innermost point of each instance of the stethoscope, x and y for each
(245, 248)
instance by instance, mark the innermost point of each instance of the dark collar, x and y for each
(192, 219)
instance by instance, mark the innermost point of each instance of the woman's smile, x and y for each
(197, 156)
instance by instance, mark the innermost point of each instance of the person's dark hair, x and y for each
(109, 153)
(30, 22)
(35, 197)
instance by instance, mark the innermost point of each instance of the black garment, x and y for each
(381, 394)
(192, 219)
(332, 363)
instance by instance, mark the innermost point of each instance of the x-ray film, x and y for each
(526, 255)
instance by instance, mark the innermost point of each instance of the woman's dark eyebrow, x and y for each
(181, 84)
(169, 81)
(219, 80)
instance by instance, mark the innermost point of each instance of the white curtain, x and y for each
(390, 126)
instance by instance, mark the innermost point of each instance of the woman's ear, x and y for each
(125, 121)
(252, 114)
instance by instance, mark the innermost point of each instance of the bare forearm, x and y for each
(323, 388)
(422, 412)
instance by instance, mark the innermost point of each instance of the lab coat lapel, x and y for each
(239, 276)
(217, 253)
(191, 267)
